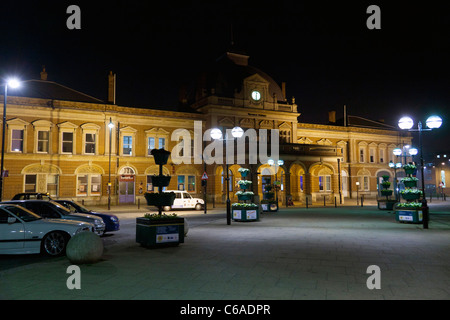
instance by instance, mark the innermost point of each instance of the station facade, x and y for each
(60, 141)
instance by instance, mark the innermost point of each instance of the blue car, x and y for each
(111, 221)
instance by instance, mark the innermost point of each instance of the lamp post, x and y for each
(216, 134)
(13, 83)
(110, 126)
(433, 122)
(357, 193)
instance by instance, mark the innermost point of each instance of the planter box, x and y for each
(411, 171)
(244, 173)
(160, 199)
(160, 232)
(240, 214)
(409, 215)
(386, 204)
(244, 186)
(269, 207)
(387, 192)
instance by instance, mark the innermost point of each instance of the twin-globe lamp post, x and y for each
(11, 83)
(280, 162)
(216, 134)
(433, 122)
(110, 126)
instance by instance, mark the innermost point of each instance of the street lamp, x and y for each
(433, 122)
(216, 134)
(110, 126)
(13, 84)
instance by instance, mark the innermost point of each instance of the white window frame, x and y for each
(17, 124)
(67, 127)
(326, 181)
(90, 128)
(156, 133)
(89, 185)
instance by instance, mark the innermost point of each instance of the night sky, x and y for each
(322, 50)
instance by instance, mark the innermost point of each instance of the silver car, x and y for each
(53, 210)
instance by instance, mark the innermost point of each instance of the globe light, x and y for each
(413, 151)
(391, 164)
(270, 162)
(397, 151)
(216, 134)
(434, 122)
(13, 83)
(110, 124)
(398, 165)
(280, 162)
(237, 132)
(405, 123)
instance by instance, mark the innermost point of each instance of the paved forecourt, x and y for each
(297, 253)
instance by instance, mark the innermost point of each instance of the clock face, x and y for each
(256, 95)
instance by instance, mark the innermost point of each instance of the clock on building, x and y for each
(256, 95)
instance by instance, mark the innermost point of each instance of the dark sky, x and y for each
(322, 50)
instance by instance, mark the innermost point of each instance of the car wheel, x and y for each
(167, 208)
(54, 244)
(198, 206)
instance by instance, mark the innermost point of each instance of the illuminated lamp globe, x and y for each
(434, 122)
(13, 83)
(216, 134)
(413, 151)
(397, 151)
(270, 162)
(405, 123)
(237, 132)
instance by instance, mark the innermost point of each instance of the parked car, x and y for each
(24, 232)
(111, 221)
(183, 200)
(32, 196)
(52, 210)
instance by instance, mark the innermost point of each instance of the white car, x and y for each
(183, 200)
(24, 232)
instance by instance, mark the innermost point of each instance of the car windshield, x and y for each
(22, 213)
(60, 207)
(76, 207)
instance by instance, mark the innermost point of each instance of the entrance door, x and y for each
(126, 189)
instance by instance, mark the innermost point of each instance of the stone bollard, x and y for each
(186, 227)
(84, 247)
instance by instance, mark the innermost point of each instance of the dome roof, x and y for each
(226, 77)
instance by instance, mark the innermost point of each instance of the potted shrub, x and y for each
(244, 184)
(410, 182)
(160, 199)
(244, 172)
(387, 192)
(410, 168)
(411, 194)
(386, 204)
(244, 195)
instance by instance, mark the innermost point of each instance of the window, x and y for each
(151, 145)
(89, 184)
(43, 141)
(89, 147)
(127, 146)
(364, 183)
(17, 140)
(52, 185)
(30, 183)
(181, 183)
(362, 155)
(301, 183)
(381, 155)
(67, 142)
(325, 183)
(372, 155)
(190, 186)
(161, 143)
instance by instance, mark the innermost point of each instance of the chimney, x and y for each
(44, 74)
(332, 116)
(112, 88)
(283, 90)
